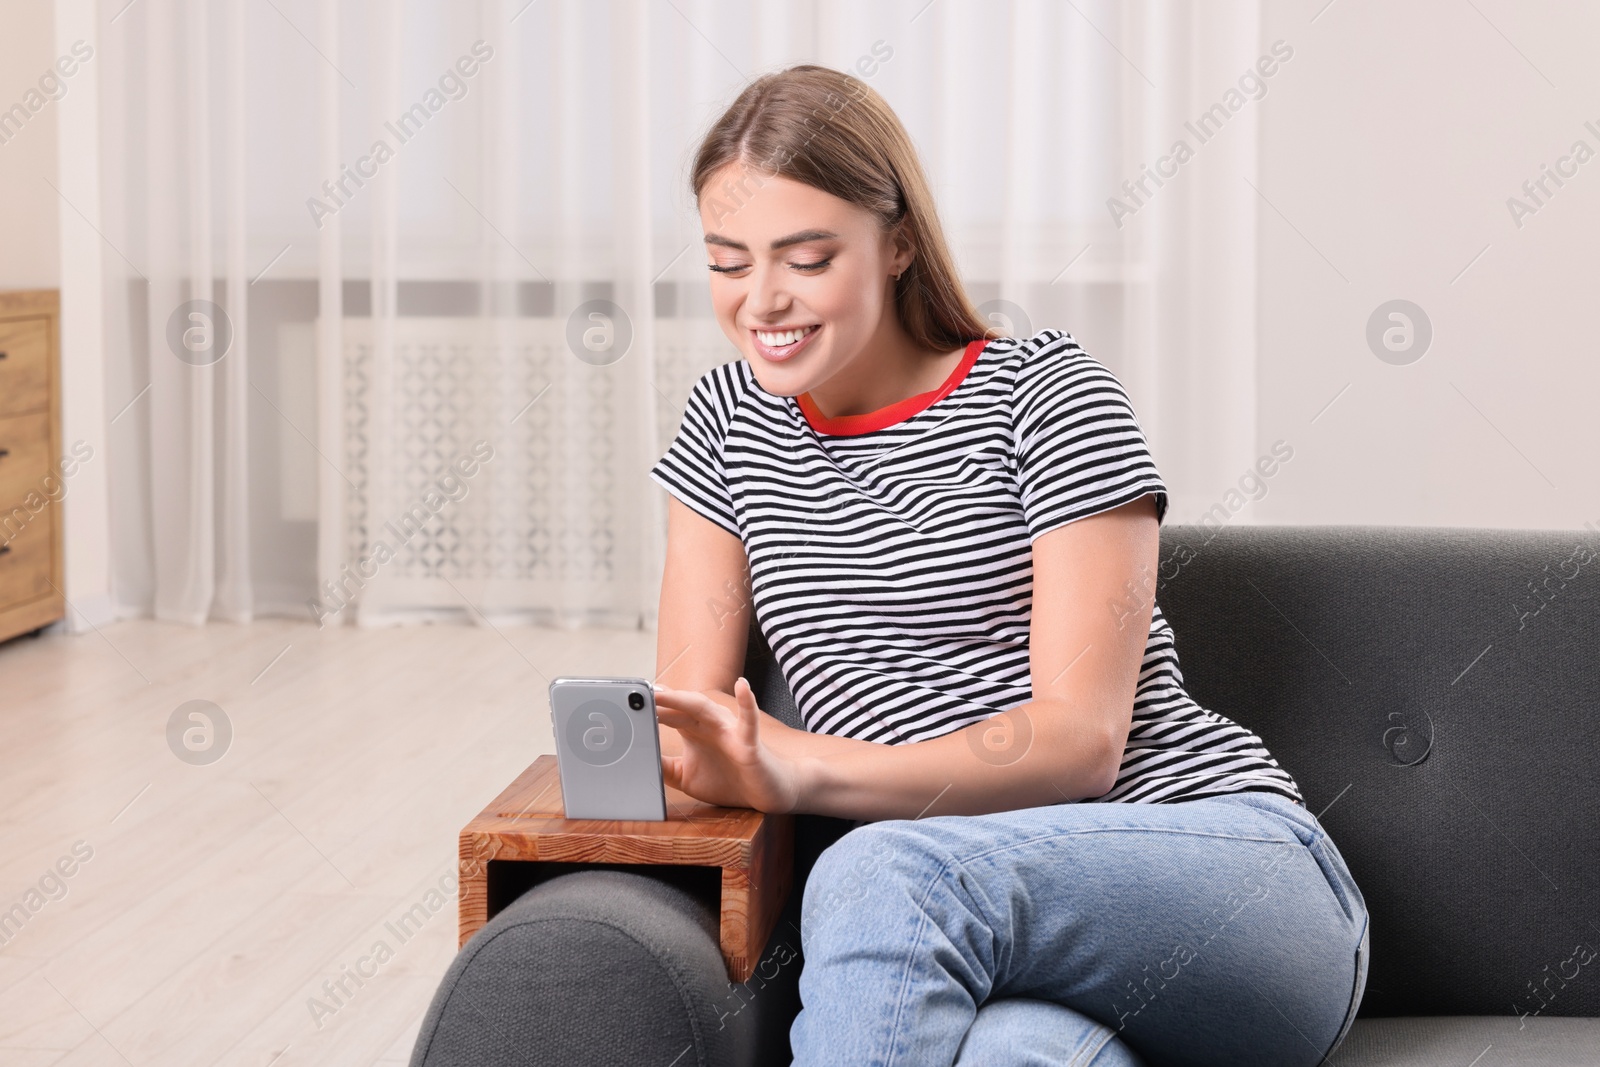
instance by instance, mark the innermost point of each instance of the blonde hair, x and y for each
(829, 130)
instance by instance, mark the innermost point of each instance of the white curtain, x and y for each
(407, 296)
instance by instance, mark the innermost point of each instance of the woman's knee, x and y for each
(877, 865)
(1027, 1032)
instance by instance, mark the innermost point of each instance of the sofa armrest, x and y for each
(603, 966)
(615, 964)
(523, 836)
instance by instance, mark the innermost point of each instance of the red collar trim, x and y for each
(850, 425)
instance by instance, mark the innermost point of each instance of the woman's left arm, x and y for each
(1093, 595)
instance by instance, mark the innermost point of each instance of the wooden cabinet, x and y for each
(31, 480)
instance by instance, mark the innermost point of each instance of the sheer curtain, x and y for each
(407, 296)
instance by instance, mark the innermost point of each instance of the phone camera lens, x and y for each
(636, 701)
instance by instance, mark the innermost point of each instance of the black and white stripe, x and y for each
(892, 570)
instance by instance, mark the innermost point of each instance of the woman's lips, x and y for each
(779, 355)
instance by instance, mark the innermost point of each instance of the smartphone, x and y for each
(608, 749)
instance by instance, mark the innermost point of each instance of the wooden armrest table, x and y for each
(754, 852)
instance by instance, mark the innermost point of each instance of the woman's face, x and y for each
(789, 257)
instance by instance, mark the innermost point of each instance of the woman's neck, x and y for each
(888, 369)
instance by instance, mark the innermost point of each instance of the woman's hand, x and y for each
(725, 760)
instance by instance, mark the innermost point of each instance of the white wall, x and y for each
(1391, 143)
(86, 507)
(29, 258)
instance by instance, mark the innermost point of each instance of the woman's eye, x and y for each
(741, 266)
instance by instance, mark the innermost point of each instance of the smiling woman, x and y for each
(928, 524)
(868, 272)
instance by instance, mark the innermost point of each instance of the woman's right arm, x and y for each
(703, 619)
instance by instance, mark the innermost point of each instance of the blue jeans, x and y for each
(1225, 930)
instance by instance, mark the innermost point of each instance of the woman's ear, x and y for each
(902, 250)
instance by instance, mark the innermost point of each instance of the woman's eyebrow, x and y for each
(782, 242)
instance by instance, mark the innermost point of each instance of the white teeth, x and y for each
(787, 337)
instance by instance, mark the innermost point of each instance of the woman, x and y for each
(950, 543)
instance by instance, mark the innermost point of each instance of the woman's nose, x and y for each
(767, 293)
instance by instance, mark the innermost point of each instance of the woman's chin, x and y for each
(778, 380)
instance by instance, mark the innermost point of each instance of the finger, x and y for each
(672, 771)
(749, 713)
(677, 696)
(683, 721)
(688, 700)
(674, 698)
(679, 710)
(749, 692)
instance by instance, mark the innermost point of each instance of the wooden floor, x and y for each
(219, 903)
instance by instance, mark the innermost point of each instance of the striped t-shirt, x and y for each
(890, 553)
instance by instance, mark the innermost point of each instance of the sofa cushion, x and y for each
(1434, 692)
(1470, 1041)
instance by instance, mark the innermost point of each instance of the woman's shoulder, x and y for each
(1051, 363)
(719, 393)
(1049, 347)
(733, 377)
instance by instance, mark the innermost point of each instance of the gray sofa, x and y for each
(1434, 691)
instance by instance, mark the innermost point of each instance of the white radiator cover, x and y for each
(562, 526)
